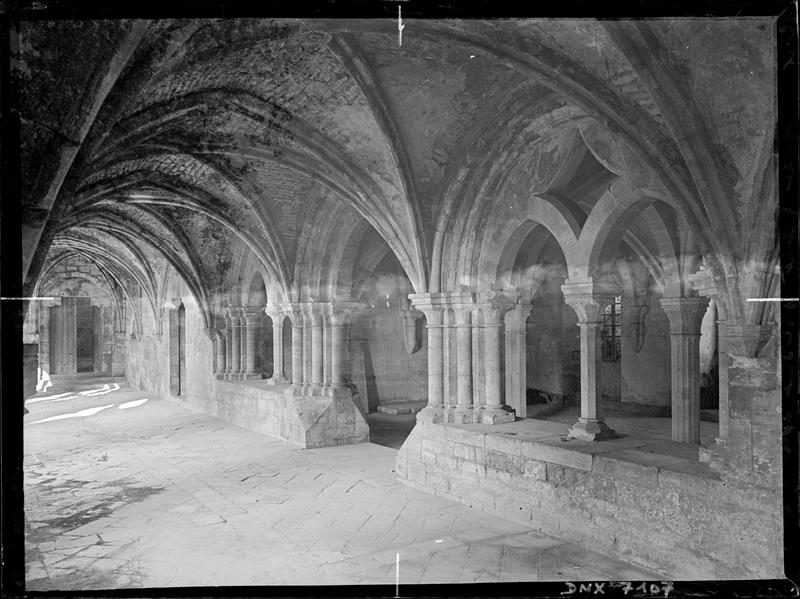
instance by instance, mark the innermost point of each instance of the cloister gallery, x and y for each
(540, 236)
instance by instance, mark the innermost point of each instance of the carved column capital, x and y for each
(517, 317)
(588, 299)
(685, 314)
(251, 315)
(430, 304)
(232, 316)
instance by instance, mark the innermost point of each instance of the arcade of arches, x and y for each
(538, 236)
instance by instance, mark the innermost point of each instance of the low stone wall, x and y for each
(687, 526)
(273, 411)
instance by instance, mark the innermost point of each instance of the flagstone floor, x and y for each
(123, 489)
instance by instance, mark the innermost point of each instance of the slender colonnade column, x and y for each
(339, 315)
(588, 299)
(316, 345)
(326, 344)
(305, 315)
(228, 344)
(463, 319)
(431, 304)
(236, 344)
(242, 343)
(252, 315)
(297, 347)
(277, 345)
(516, 334)
(494, 410)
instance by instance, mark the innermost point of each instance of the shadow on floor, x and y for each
(390, 430)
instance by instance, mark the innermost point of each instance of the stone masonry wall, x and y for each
(692, 527)
(306, 422)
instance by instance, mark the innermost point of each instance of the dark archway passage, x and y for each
(84, 335)
(177, 351)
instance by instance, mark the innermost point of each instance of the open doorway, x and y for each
(84, 335)
(177, 351)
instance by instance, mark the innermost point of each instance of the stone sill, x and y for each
(542, 440)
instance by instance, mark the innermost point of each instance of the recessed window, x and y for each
(611, 335)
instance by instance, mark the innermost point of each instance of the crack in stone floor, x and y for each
(160, 496)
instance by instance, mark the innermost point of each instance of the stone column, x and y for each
(704, 284)
(478, 378)
(495, 410)
(252, 315)
(276, 315)
(685, 314)
(316, 345)
(242, 343)
(307, 343)
(464, 411)
(236, 344)
(228, 344)
(326, 345)
(516, 348)
(431, 304)
(337, 347)
(338, 314)
(297, 348)
(588, 300)
(449, 373)
(753, 451)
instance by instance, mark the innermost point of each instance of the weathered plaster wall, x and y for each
(148, 361)
(645, 375)
(552, 337)
(694, 527)
(392, 374)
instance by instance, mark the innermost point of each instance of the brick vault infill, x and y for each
(688, 526)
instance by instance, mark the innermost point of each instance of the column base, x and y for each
(338, 390)
(295, 390)
(277, 380)
(497, 415)
(462, 415)
(431, 414)
(220, 376)
(590, 430)
(248, 376)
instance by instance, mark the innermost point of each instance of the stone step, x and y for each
(399, 408)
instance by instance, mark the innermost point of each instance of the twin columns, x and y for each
(236, 349)
(318, 353)
(474, 358)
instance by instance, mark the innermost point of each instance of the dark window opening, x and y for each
(611, 335)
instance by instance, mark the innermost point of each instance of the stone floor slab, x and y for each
(156, 495)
